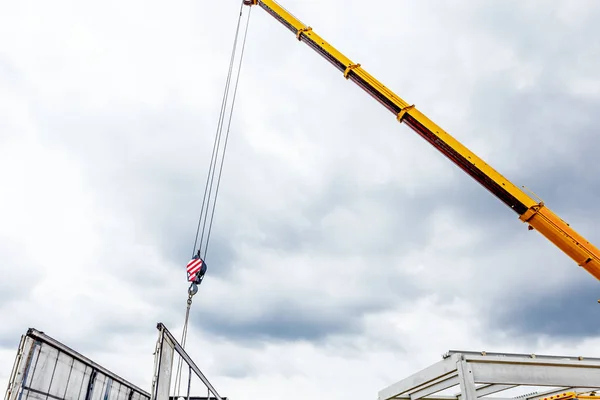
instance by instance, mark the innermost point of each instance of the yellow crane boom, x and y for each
(534, 213)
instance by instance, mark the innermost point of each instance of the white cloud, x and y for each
(346, 252)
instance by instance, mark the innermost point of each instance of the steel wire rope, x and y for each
(217, 141)
(210, 176)
(183, 341)
(227, 135)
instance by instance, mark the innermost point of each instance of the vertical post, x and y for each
(164, 359)
(18, 369)
(167, 345)
(467, 382)
(189, 382)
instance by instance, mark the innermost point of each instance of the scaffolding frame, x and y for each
(479, 375)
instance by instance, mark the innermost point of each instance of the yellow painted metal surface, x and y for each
(471, 157)
(564, 237)
(573, 395)
(530, 211)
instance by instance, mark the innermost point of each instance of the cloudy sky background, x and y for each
(346, 252)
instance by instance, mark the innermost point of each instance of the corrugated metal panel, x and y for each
(46, 369)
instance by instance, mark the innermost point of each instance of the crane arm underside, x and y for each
(535, 214)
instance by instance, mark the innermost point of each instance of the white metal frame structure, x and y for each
(166, 347)
(46, 369)
(480, 374)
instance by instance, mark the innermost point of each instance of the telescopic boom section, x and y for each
(534, 213)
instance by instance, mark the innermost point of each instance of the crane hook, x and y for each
(193, 289)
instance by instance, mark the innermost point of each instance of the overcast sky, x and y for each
(346, 252)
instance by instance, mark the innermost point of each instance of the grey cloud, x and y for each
(287, 324)
(10, 341)
(534, 119)
(104, 336)
(290, 320)
(149, 163)
(571, 312)
(14, 280)
(9, 291)
(541, 32)
(406, 230)
(408, 225)
(401, 228)
(561, 142)
(530, 312)
(237, 369)
(9, 338)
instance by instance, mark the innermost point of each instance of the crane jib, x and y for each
(480, 176)
(470, 168)
(499, 191)
(532, 212)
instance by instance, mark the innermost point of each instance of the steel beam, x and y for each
(535, 375)
(446, 382)
(161, 384)
(496, 372)
(486, 390)
(467, 381)
(164, 331)
(422, 379)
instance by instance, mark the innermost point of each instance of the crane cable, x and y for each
(210, 179)
(217, 142)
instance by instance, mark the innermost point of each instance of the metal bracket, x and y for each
(350, 68)
(301, 31)
(402, 112)
(533, 210)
